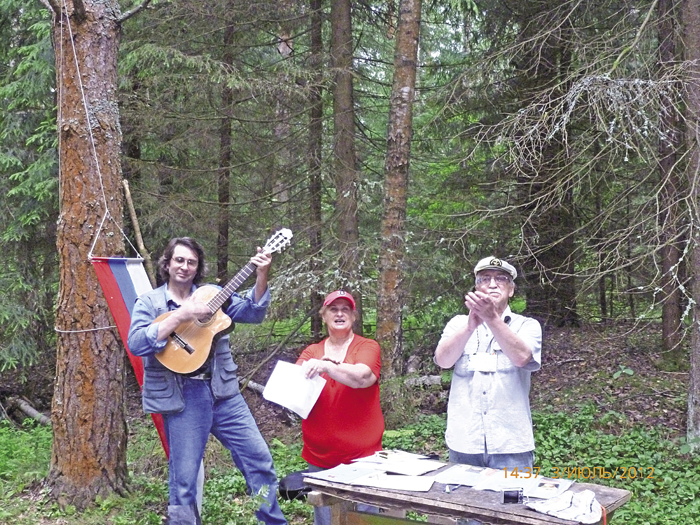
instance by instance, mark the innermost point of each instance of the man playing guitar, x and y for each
(206, 400)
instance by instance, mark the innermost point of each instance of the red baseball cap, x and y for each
(339, 294)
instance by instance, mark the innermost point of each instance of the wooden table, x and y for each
(441, 507)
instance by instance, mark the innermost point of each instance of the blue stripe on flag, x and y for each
(123, 278)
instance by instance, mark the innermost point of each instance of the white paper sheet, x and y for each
(547, 488)
(466, 475)
(383, 480)
(289, 387)
(367, 475)
(343, 473)
(496, 479)
(400, 462)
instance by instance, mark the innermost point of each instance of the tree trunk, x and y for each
(691, 39)
(346, 174)
(602, 298)
(315, 149)
(224, 175)
(89, 448)
(391, 294)
(283, 157)
(553, 298)
(671, 325)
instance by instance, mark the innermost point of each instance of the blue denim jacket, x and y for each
(162, 388)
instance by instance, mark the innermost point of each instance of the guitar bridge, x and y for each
(182, 343)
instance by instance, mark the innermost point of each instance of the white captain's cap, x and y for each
(494, 263)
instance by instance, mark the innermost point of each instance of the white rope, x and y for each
(57, 329)
(94, 241)
(92, 144)
(89, 128)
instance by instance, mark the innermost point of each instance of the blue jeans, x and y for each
(231, 422)
(497, 461)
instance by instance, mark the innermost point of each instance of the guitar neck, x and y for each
(227, 291)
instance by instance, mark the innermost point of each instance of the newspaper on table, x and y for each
(499, 479)
(289, 387)
(371, 475)
(400, 462)
(547, 488)
(385, 480)
(396, 469)
(342, 473)
(465, 475)
(533, 486)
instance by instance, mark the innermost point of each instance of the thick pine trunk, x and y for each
(89, 448)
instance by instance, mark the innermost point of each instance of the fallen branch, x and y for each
(148, 263)
(255, 387)
(423, 381)
(565, 361)
(29, 410)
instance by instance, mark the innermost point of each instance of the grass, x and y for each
(665, 492)
(580, 438)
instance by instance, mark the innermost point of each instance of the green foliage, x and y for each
(226, 502)
(425, 436)
(688, 445)
(28, 183)
(24, 456)
(623, 370)
(665, 479)
(665, 482)
(287, 458)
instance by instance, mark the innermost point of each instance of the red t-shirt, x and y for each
(345, 423)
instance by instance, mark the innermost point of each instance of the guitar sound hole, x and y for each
(205, 321)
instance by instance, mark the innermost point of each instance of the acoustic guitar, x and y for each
(189, 345)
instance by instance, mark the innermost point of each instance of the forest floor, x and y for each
(616, 367)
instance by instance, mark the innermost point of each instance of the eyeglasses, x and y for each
(190, 262)
(501, 279)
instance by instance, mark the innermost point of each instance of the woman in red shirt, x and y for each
(346, 422)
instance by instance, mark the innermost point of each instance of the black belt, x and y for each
(201, 377)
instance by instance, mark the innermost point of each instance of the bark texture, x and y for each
(391, 295)
(691, 37)
(89, 449)
(314, 156)
(346, 175)
(671, 314)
